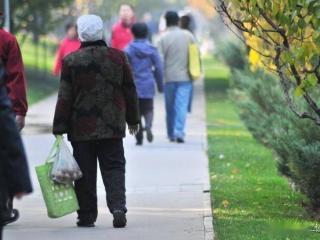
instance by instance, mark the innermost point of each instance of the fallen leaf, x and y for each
(225, 203)
(235, 171)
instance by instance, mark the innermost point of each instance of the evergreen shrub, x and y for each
(295, 142)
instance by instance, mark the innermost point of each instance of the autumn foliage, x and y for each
(283, 37)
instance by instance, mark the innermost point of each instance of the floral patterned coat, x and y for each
(97, 94)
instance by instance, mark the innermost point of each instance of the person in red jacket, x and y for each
(121, 31)
(15, 77)
(68, 45)
(15, 84)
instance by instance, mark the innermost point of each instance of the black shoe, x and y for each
(149, 135)
(139, 143)
(180, 140)
(119, 219)
(85, 224)
(12, 217)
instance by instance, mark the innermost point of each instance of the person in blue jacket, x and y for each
(148, 71)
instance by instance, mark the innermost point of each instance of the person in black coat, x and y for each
(14, 174)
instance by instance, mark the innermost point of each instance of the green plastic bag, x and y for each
(60, 199)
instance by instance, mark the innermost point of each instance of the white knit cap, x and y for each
(90, 28)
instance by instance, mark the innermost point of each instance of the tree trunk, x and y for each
(36, 51)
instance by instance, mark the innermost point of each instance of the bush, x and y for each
(295, 142)
(233, 54)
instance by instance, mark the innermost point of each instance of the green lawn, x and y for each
(38, 69)
(41, 57)
(250, 199)
(40, 85)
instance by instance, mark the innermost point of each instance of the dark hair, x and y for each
(68, 26)
(172, 18)
(127, 4)
(140, 30)
(1, 16)
(1, 21)
(185, 22)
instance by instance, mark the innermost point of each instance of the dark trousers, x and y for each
(8, 207)
(2, 207)
(110, 154)
(146, 112)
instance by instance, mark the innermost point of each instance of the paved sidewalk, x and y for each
(166, 185)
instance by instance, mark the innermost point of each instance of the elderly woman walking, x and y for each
(97, 97)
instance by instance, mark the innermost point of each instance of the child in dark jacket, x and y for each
(147, 70)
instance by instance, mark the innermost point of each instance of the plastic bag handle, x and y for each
(54, 148)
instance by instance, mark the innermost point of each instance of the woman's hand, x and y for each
(20, 120)
(20, 195)
(133, 129)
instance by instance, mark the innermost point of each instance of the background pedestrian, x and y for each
(68, 45)
(186, 22)
(174, 49)
(147, 70)
(121, 31)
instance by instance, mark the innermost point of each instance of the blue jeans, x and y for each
(177, 97)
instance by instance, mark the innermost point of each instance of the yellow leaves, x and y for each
(299, 25)
(205, 6)
(275, 8)
(304, 12)
(254, 59)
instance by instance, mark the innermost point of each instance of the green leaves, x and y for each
(308, 83)
(288, 57)
(37, 16)
(316, 37)
(261, 3)
(299, 91)
(312, 80)
(302, 23)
